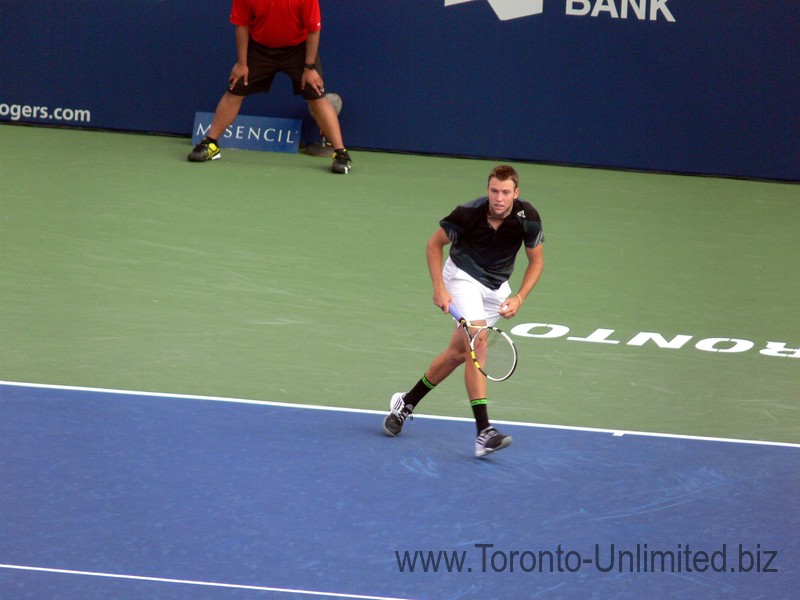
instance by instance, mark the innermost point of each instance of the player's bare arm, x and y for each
(240, 69)
(435, 256)
(311, 76)
(529, 280)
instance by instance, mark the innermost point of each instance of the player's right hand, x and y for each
(442, 299)
(238, 72)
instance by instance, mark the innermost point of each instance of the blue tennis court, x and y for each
(111, 494)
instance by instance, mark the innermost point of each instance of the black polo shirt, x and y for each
(486, 253)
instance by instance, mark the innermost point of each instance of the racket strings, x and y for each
(496, 354)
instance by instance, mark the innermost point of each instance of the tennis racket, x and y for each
(492, 350)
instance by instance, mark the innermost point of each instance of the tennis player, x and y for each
(485, 236)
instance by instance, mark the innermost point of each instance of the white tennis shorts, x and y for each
(474, 301)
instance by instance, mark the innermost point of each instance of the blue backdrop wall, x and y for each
(690, 86)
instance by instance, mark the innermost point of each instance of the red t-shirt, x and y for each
(277, 23)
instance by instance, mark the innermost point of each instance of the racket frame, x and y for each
(468, 328)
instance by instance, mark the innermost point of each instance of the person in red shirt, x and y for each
(276, 36)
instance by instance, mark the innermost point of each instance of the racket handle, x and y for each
(454, 313)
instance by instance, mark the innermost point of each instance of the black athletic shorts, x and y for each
(263, 62)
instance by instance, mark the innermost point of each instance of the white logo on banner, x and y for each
(615, 9)
(509, 9)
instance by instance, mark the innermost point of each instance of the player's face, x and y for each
(501, 197)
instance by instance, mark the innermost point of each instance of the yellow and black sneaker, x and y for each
(205, 150)
(341, 161)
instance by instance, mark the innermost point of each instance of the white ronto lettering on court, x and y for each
(721, 345)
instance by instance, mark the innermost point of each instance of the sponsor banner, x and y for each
(268, 134)
(685, 86)
(615, 9)
(44, 114)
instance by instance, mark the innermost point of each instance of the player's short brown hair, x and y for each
(504, 173)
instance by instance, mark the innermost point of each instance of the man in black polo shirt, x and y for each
(485, 236)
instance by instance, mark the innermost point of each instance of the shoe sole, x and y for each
(487, 451)
(215, 157)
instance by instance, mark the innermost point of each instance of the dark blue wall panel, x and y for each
(716, 91)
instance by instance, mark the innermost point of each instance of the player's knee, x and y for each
(457, 357)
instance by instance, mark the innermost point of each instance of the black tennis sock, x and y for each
(419, 391)
(481, 413)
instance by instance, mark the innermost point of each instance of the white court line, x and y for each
(257, 588)
(614, 432)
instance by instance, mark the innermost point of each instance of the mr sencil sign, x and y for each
(253, 133)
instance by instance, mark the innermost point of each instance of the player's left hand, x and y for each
(314, 79)
(510, 306)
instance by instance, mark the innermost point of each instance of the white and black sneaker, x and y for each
(490, 440)
(393, 423)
